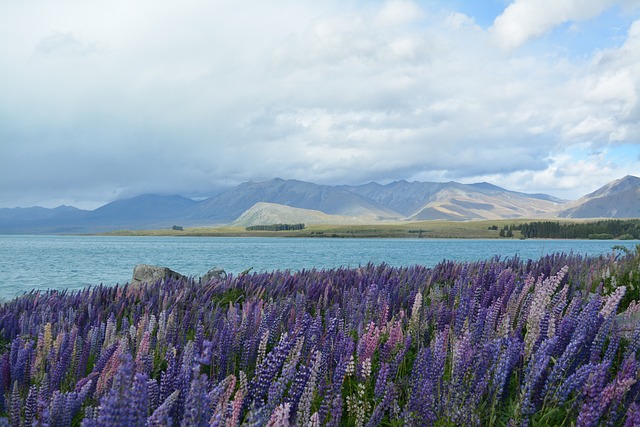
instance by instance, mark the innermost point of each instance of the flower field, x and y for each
(550, 342)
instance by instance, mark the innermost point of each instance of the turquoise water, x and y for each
(73, 262)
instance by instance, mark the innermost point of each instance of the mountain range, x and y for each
(293, 201)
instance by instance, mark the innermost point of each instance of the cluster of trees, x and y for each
(604, 229)
(506, 231)
(276, 227)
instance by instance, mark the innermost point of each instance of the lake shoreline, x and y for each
(507, 229)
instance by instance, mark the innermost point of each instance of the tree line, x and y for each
(276, 227)
(603, 229)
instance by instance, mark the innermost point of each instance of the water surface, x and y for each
(73, 262)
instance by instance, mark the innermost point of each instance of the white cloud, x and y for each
(567, 177)
(524, 19)
(398, 12)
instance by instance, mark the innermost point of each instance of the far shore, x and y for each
(486, 229)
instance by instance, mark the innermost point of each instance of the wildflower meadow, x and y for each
(504, 342)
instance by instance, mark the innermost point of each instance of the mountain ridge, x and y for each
(294, 199)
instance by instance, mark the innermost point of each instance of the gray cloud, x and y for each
(123, 99)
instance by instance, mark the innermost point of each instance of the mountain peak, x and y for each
(615, 187)
(617, 199)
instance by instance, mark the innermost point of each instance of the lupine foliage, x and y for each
(499, 342)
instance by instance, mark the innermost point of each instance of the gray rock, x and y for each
(216, 273)
(143, 273)
(628, 322)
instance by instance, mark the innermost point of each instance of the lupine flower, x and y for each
(161, 416)
(455, 344)
(304, 406)
(591, 411)
(612, 301)
(280, 416)
(633, 415)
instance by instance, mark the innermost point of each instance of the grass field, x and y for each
(421, 229)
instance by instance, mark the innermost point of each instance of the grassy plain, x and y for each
(401, 229)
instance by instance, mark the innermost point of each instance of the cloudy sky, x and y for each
(102, 100)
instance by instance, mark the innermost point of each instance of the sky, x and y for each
(107, 100)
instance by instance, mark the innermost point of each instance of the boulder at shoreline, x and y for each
(216, 273)
(144, 273)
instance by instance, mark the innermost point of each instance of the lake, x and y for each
(73, 262)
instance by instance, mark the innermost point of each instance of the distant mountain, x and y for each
(455, 201)
(617, 199)
(35, 213)
(146, 211)
(37, 219)
(147, 207)
(404, 198)
(292, 201)
(228, 206)
(271, 213)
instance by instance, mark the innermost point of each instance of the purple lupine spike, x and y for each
(612, 394)
(390, 394)
(267, 371)
(280, 416)
(199, 337)
(381, 380)
(118, 406)
(481, 374)
(278, 387)
(461, 361)
(31, 406)
(567, 362)
(90, 418)
(597, 345)
(21, 366)
(62, 364)
(574, 382)
(58, 410)
(82, 359)
(168, 378)
(333, 401)
(196, 408)
(104, 358)
(613, 345)
(421, 407)
(509, 357)
(16, 405)
(161, 417)
(491, 324)
(633, 415)
(590, 412)
(153, 395)
(5, 379)
(221, 392)
(535, 377)
(44, 397)
(297, 387)
(140, 394)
